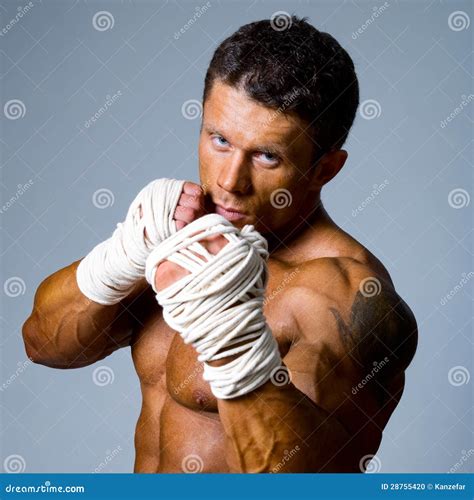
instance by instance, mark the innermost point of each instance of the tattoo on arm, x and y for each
(380, 328)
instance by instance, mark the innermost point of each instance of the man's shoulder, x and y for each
(356, 300)
(338, 278)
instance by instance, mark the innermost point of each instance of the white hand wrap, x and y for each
(220, 304)
(109, 272)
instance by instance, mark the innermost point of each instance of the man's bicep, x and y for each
(318, 362)
(321, 367)
(332, 446)
(317, 369)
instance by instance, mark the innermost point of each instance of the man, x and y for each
(278, 106)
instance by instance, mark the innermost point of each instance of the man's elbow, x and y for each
(39, 347)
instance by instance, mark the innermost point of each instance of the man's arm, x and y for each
(279, 429)
(282, 428)
(68, 330)
(289, 424)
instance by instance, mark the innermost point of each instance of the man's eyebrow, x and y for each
(272, 148)
(212, 129)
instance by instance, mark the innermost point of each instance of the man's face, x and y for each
(253, 160)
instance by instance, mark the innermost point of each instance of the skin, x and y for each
(330, 330)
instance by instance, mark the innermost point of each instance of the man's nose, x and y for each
(234, 175)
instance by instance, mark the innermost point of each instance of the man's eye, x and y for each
(268, 158)
(218, 140)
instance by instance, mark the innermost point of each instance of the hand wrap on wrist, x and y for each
(109, 272)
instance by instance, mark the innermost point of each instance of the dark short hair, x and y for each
(297, 69)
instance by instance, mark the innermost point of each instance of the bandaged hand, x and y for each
(216, 304)
(110, 271)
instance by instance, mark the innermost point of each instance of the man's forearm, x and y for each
(279, 429)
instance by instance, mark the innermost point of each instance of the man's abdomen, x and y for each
(190, 441)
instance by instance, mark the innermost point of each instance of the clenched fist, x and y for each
(191, 206)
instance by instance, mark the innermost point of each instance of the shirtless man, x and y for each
(278, 105)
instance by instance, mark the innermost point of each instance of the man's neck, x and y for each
(300, 234)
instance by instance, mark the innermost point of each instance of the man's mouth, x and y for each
(229, 213)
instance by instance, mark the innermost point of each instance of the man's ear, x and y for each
(327, 168)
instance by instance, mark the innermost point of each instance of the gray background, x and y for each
(411, 60)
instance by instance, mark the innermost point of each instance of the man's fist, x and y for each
(190, 205)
